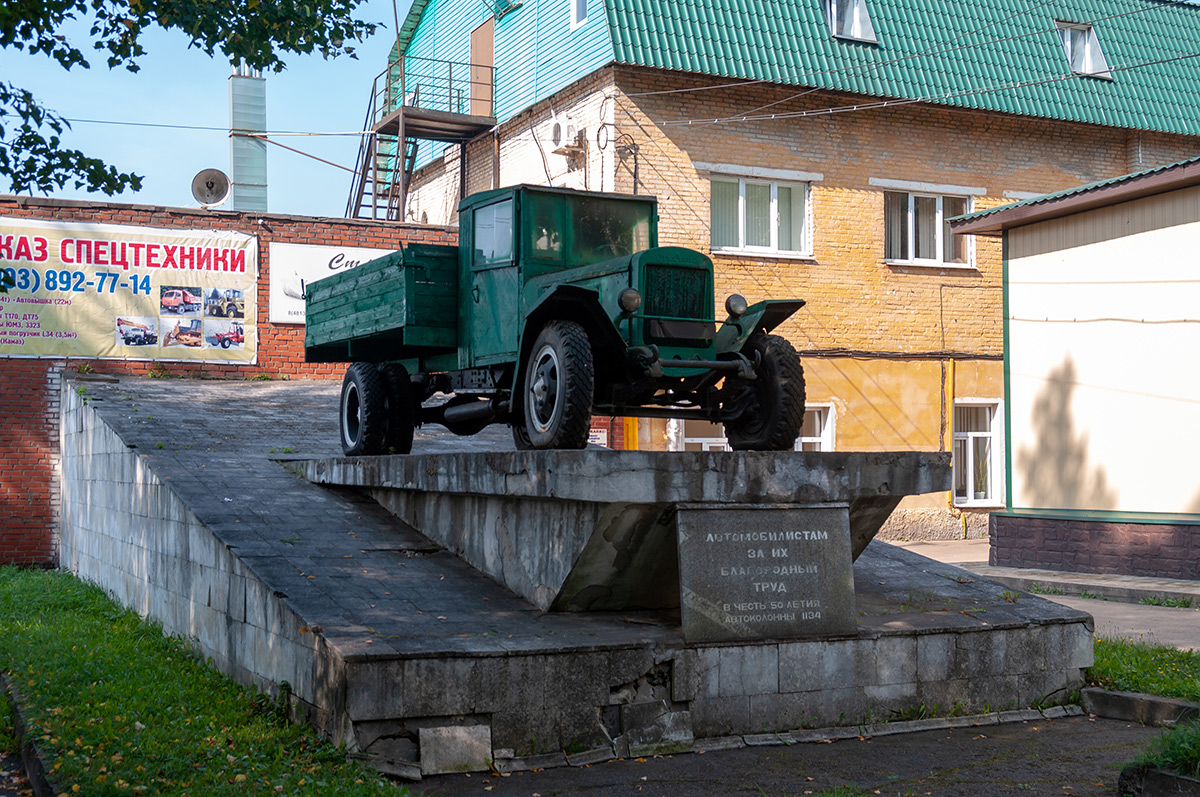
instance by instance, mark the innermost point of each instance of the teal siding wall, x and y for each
(537, 53)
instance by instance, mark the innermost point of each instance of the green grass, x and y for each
(117, 708)
(1174, 603)
(1128, 666)
(1177, 750)
(8, 739)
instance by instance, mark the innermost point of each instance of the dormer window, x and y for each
(1082, 47)
(850, 19)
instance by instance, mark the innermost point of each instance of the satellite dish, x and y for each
(210, 187)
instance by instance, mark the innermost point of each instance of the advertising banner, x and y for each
(107, 290)
(296, 266)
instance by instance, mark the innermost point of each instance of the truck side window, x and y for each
(545, 233)
(493, 233)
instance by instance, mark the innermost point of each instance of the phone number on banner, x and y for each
(67, 281)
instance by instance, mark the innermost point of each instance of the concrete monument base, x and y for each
(749, 545)
(421, 663)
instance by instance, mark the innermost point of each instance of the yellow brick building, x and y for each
(839, 198)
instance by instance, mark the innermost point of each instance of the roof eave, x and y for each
(996, 223)
(409, 26)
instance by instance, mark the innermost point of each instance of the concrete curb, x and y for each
(1136, 707)
(27, 749)
(1138, 780)
(806, 736)
(1075, 585)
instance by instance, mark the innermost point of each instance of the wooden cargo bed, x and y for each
(401, 306)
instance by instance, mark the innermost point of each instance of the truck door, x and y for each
(491, 301)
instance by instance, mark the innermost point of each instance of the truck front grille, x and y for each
(677, 292)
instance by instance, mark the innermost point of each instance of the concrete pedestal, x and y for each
(421, 663)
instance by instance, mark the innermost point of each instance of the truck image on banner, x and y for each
(118, 291)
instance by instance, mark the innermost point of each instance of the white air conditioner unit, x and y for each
(563, 133)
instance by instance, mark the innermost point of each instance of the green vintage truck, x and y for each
(556, 305)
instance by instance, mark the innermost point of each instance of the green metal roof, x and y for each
(997, 55)
(1102, 192)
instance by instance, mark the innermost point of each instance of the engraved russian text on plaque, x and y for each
(765, 572)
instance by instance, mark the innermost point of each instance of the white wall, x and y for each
(1104, 363)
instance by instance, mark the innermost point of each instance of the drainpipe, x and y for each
(949, 432)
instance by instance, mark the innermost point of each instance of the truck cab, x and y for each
(562, 306)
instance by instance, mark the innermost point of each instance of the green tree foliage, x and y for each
(257, 32)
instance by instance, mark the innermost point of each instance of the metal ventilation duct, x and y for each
(247, 154)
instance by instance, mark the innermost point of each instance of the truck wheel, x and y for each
(401, 409)
(558, 382)
(521, 437)
(771, 420)
(224, 343)
(363, 411)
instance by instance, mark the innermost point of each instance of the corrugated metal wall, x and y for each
(536, 51)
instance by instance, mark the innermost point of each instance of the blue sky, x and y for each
(184, 87)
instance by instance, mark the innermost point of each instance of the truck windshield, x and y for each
(608, 228)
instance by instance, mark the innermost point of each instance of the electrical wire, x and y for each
(870, 106)
(263, 137)
(214, 129)
(888, 62)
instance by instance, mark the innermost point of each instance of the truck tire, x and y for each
(521, 436)
(363, 415)
(772, 419)
(401, 408)
(558, 384)
(224, 343)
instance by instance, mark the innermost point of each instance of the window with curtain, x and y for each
(759, 215)
(851, 19)
(916, 228)
(974, 458)
(1082, 48)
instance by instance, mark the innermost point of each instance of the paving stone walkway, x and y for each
(372, 585)
(1068, 757)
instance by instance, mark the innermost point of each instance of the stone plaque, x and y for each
(765, 572)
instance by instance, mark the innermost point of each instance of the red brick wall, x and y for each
(28, 452)
(1091, 546)
(29, 386)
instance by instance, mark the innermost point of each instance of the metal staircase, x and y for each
(415, 99)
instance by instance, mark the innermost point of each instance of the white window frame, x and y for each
(825, 440)
(676, 441)
(1091, 61)
(577, 20)
(995, 434)
(804, 186)
(940, 227)
(862, 13)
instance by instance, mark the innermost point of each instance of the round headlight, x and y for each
(736, 305)
(630, 300)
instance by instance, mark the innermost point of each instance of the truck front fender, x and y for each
(760, 317)
(568, 303)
